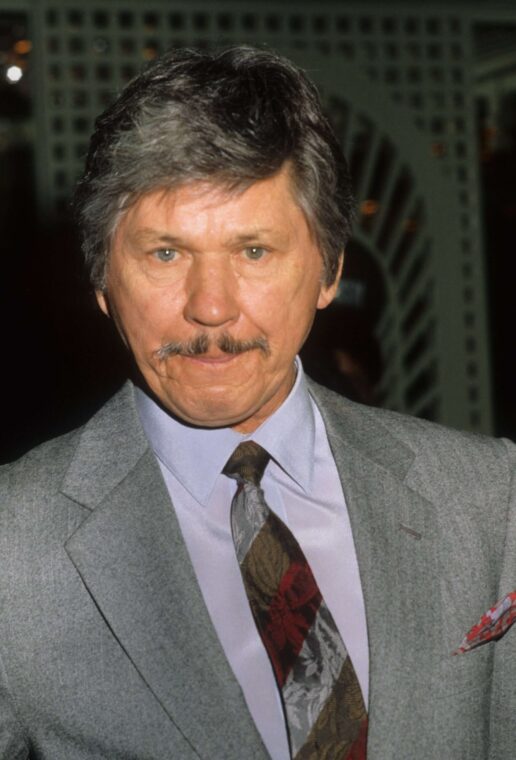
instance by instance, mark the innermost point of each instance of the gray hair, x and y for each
(233, 117)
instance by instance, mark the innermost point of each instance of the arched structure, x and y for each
(409, 221)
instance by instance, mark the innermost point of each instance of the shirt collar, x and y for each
(288, 435)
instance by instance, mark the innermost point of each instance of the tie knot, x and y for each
(247, 463)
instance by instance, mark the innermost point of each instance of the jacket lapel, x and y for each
(132, 558)
(394, 530)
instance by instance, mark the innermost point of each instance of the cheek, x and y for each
(284, 315)
(295, 300)
(142, 319)
(264, 309)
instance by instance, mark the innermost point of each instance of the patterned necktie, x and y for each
(321, 696)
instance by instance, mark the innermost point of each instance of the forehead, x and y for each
(209, 206)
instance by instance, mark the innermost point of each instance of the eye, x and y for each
(165, 254)
(255, 252)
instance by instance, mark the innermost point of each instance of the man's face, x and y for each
(214, 293)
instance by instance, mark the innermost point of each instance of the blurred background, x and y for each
(423, 98)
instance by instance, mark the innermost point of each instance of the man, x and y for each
(215, 208)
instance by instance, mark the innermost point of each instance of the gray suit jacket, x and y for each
(107, 650)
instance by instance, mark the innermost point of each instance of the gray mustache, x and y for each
(201, 344)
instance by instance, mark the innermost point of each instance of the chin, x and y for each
(212, 413)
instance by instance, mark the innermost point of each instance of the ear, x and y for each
(328, 292)
(102, 301)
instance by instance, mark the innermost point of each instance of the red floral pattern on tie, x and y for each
(290, 615)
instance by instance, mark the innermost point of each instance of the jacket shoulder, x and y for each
(39, 470)
(407, 426)
(441, 455)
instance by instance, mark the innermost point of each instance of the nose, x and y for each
(211, 294)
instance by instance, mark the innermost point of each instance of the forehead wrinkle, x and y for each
(231, 230)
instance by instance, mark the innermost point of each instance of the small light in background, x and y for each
(438, 149)
(150, 52)
(13, 74)
(410, 225)
(22, 47)
(369, 207)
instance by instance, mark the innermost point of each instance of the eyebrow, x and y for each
(149, 235)
(249, 237)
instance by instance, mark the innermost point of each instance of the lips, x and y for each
(216, 359)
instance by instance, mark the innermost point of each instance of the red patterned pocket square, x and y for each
(492, 625)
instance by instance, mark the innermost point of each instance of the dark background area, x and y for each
(499, 188)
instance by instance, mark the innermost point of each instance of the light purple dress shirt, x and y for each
(302, 486)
